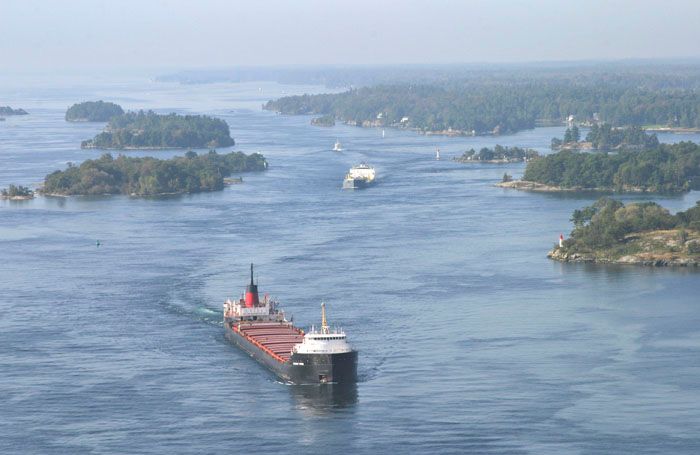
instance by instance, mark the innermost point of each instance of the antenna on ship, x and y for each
(324, 323)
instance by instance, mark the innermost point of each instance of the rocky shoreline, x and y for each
(17, 198)
(655, 248)
(90, 146)
(645, 259)
(671, 129)
(501, 161)
(525, 185)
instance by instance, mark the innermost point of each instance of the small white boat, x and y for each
(437, 154)
(337, 147)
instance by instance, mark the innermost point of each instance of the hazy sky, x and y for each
(72, 34)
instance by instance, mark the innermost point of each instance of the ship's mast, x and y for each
(324, 323)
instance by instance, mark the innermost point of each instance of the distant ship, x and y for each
(359, 176)
(337, 147)
(437, 154)
(261, 330)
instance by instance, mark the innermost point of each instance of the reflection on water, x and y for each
(324, 398)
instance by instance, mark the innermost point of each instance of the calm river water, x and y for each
(470, 339)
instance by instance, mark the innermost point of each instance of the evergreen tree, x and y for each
(575, 134)
(568, 136)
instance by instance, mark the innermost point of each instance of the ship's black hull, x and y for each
(303, 368)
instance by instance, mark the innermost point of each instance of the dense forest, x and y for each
(93, 111)
(608, 222)
(498, 154)
(7, 110)
(150, 176)
(605, 137)
(665, 168)
(496, 107)
(150, 130)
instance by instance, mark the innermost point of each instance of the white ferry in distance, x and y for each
(360, 176)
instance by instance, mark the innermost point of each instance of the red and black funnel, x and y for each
(251, 292)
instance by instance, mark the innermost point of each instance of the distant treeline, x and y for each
(7, 110)
(608, 221)
(647, 75)
(498, 153)
(605, 137)
(150, 130)
(664, 168)
(498, 107)
(150, 176)
(93, 111)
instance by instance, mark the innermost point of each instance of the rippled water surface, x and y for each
(470, 340)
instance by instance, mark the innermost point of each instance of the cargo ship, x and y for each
(259, 328)
(360, 176)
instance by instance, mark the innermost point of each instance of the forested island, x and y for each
(666, 168)
(7, 110)
(16, 192)
(497, 155)
(605, 137)
(149, 176)
(93, 111)
(479, 107)
(148, 130)
(637, 233)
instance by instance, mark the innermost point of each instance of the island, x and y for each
(16, 193)
(502, 104)
(148, 130)
(666, 168)
(497, 155)
(93, 111)
(605, 137)
(7, 110)
(149, 176)
(325, 120)
(611, 232)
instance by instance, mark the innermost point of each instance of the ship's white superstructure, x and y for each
(325, 341)
(266, 311)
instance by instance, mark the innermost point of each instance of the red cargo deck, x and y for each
(275, 338)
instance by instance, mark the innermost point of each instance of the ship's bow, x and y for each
(340, 368)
